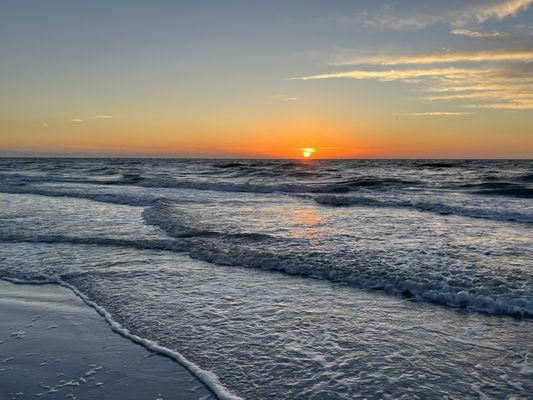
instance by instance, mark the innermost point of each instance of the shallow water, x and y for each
(53, 346)
(215, 260)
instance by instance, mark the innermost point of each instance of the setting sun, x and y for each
(307, 151)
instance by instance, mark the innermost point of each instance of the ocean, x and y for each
(288, 279)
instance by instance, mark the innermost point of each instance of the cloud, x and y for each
(391, 17)
(501, 86)
(390, 21)
(516, 105)
(103, 116)
(434, 114)
(511, 99)
(478, 34)
(507, 89)
(394, 75)
(282, 97)
(500, 9)
(496, 80)
(499, 95)
(442, 58)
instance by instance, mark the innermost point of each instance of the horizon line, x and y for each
(96, 157)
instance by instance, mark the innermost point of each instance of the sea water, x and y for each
(295, 279)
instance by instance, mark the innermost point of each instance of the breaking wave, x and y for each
(478, 296)
(426, 206)
(183, 224)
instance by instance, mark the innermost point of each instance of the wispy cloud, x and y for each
(499, 95)
(387, 18)
(515, 105)
(283, 97)
(500, 9)
(451, 87)
(434, 114)
(509, 88)
(442, 58)
(393, 75)
(392, 17)
(494, 79)
(102, 116)
(478, 34)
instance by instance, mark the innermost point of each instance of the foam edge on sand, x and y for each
(208, 378)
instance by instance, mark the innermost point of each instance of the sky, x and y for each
(261, 79)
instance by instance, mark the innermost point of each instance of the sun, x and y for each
(307, 151)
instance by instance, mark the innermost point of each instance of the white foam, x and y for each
(208, 378)
(474, 298)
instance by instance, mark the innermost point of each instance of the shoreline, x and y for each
(55, 344)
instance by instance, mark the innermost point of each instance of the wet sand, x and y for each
(54, 346)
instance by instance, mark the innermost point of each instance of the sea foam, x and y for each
(208, 378)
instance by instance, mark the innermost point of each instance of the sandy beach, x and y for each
(55, 346)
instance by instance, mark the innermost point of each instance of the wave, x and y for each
(437, 208)
(125, 179)
(170, 245)
(121, 179)
(113, 198)
(526, 193)
(180, 224)
(335, 195)
(379, 182)
(231, 183)
(324, 187)
(526, 178)
(503, 300)
(208, 378)
(439, 164)
(335, 198)
(222, 186)
(501, 189)
(343, 186)
(230, 164)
